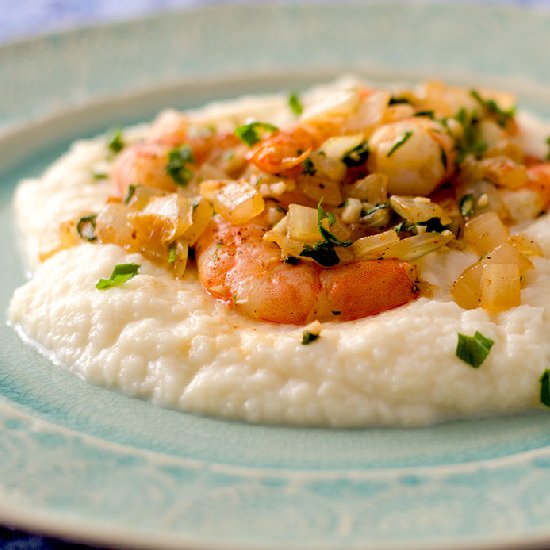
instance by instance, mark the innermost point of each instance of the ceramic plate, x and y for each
(82, 462)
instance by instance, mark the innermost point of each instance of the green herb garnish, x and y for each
(548, 143)
(467, 205)
(473, 350)
(471, 142)
(327, 235)
(251, 133)
(323, 252)
(121, 273)
(130, 193)
(443, 157)
(177, 167)
(172, 254)
(502, 116)
(98, 176)
(308, 168)
(295, 103)
(86, 227)
(545, 388)
(433, 225)
(308, 337)
(397, 100)
(427, 114)
(116, 143)
(291, 260)
(356, 156)
(400, 142)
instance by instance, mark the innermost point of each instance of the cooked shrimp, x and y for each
(143, 164)
(284, 152)
(539, 179)
(146, 163)
(415, 154)
(236, 265)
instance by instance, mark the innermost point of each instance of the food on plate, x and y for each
(348, 256)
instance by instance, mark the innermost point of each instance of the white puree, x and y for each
(167, 341)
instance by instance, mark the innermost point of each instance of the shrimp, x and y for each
(284, 152)
(146, 163)
(415, 154)
(236, 265)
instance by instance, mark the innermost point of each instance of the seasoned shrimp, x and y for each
(147, 163)
(236, 265)
(415, 154)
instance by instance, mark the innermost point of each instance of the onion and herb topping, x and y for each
(363, 175)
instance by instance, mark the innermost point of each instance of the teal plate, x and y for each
(82, 462)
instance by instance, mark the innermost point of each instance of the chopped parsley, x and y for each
(427, 114)
(323, 252)
(545, 388)
(121, 273)
(443, 157)
(467, 205)
(295, 103)
(502, 116)
(98, 176)
(130, 193)
(356, 156)
(86, 227)
(251, 133)
(471, 142)
(291, 260)
(397, 100)
(177, 167)
(327, 235)
(434, 225)
(172, 254)
(548, 143)
(308, 168)
(400, 142)
(116, 143)
(308, 337)
(473, 350)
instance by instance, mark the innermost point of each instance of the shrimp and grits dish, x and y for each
(347, 256)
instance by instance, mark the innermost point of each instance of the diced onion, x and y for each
(525, 246)
(374, 246)
(112, 225)
(417, 246)
(337, 147)
(418, 209)
(236, 201)
(466, 290)
(173, 212)
(181, 257)
(352, 211)
(202, 214)
(302, 224)
(320, 189)
(500, 286)
(486, 232)
(371, 189)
